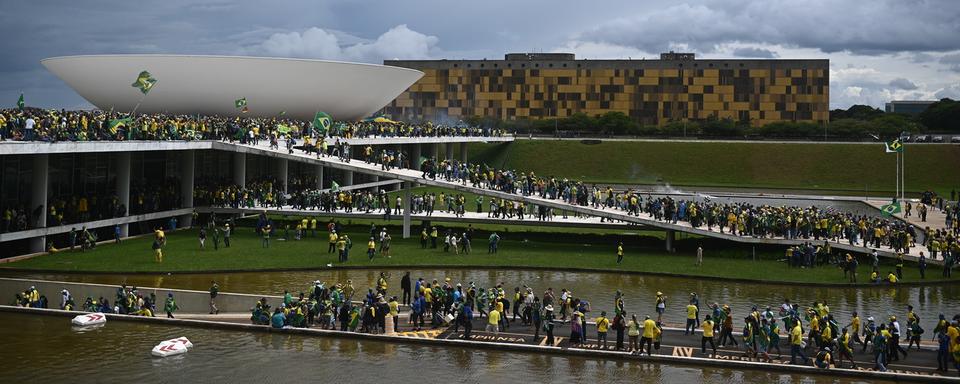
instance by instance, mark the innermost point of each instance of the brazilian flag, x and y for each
(114, 124)
(890, 209)
(322, 122)
(894, 146)
(334, 187)
(20, 103)
(241, 102)
(283, 129)
(145, 82)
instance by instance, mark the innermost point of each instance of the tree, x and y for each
(617, 123)
(942, 116)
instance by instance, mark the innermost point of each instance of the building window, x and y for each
(468, 65)
(456, 65)
(481, 65)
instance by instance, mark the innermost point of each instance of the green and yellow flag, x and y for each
(891, 209)
(334, 187)
(283, 129)
(20, 103)
(241, 102)
(894, 146)
(322, 122)
(114, 124)
(144, 82)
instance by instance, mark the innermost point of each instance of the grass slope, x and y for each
(182, 254)
(851, 167)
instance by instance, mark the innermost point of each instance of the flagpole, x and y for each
(896, 193)
(903, 171)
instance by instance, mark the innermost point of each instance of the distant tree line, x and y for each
(858, 121)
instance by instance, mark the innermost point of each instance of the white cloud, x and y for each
(754, 52)
(399, 42)
(951, 91)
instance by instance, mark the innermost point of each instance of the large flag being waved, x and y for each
(144, 82)
(322, 122)
(891, 209)
(20, 103)
(115, 124)
(894, 146)
(241, 102)
(334, 187)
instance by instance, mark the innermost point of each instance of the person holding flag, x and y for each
(241, 104)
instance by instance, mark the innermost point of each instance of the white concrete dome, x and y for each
(191, 84)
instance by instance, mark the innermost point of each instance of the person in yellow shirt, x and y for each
(707, 326)
(493, 321)
(371, 248)
(394, 312)
(691, 319)
(891, 278)
(796, 345)
(603, 324)
(332, 238)
(619, 253)
(649, 333)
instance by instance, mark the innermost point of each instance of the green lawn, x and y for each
(517, 250)
(834, 167)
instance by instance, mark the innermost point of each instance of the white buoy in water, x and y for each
(180, 340)
(165, 349)
(89, 319)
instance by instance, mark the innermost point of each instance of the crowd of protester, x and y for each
(34, 124)
(813, 334)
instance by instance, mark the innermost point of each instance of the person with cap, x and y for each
(691, 325)
(226, 235)
(822, 360)
(869, 333)
(64, 298)
(548, 323)
(170, 306)
(603, 324)
(894, 340)
(726, 331)
(880, 348)
(661, 305)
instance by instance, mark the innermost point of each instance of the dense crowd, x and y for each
(738, 218)
(33, 124)
(813, 334)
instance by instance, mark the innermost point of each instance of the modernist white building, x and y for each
(192, 84)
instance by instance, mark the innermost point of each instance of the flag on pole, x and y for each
(891, 209)
(241, 102)
(334, 187)
(115, 124)
(322, 122)
(20, 103)
(145, 82)
(894, 146)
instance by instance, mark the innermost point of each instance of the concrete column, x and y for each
(319, 175)
(123, 188)
(41, 182)
(415, 156)
(406, 210)
(670, 236)
(240, 169)
(282, 175)
(347, 179)
(187, 166)
(449, 151)
(463, 152)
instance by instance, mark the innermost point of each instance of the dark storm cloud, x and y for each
(755, 52)
(904, 84)
(867, 27)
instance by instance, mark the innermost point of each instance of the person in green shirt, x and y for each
(170, 306)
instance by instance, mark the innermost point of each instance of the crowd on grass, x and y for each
(34, 124)
(812, 333)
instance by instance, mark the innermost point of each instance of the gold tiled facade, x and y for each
(652, 92)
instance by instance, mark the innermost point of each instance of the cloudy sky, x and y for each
(879, 50)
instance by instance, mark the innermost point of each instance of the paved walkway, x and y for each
(674, 342)
(413, 176)
(936, 219)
